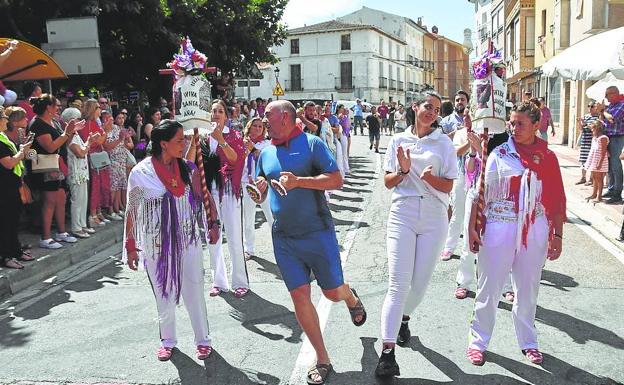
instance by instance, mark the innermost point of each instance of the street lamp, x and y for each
(277, 71)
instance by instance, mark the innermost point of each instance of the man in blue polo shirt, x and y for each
(295, 171)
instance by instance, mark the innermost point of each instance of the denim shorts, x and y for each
(317, 252)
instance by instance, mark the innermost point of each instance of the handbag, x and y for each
(25, 194)
(99, 160)
(45, 163)
(131, 160)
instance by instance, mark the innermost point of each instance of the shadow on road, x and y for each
(557, 280)
(216, 371)
(554, 371)
(10, 332)
(336, 207)
(253, 311)
(580, 331)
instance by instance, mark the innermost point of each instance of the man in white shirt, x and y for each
(451, 125)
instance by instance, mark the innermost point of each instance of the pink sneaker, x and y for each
(534, 356)
(446, 255)
(203, 352)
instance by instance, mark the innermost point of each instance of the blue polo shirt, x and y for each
(303, 210)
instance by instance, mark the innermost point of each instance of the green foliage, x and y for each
(138, 37)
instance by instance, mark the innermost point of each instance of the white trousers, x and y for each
(496, 258)
(191, 292)
(249, 220)
(339, 156)
(344, 141)
(415, 237)
(466, 271)
(456, 225)
(230, 213)
(79, 204)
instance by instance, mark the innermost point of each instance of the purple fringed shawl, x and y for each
(174, 242)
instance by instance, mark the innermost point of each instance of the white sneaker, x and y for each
(65, 237)
(88, 230)
(121, 213)
(81, 234)
(104, 219)
(115, 217)
(49, 244)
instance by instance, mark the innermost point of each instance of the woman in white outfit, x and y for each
(223, 153)
(525, 209)
(162, 234)
(472, 170)
(255, 141)
(420, 166)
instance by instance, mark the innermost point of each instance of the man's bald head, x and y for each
(284, 106)
(612, 94)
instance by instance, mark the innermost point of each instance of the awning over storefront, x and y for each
(590, 59)
(28, 62)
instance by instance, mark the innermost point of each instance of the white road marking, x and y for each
(307, 356)
(603, 241)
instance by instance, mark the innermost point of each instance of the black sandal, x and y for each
(323, 370)
(357, 310)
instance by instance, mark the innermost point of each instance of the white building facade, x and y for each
(413, 58)
(340, 61)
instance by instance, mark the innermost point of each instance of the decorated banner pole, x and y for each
(489, 94)
(191, 107)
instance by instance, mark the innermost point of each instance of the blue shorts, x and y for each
(316, 252)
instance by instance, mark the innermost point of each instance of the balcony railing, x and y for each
(344, 83)
(293, 85)
(401, 88)
(393, 84)
(410, 86)
(383, 82)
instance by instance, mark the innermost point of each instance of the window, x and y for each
(381, 71)
(529, 36)
(346, 75)
(398, 52)
(294, 46)
(254, 83)
(381, 45)
(389, 49)
(295, 77)
(345, 42)
(543, 23)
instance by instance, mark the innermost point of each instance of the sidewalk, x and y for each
(49, 262)
(606, 219)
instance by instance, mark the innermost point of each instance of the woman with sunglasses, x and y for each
(420, 166)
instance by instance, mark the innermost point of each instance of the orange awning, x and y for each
(28, 62)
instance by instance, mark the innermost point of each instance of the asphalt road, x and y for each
(96, 322)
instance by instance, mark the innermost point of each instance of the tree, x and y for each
(138, 37)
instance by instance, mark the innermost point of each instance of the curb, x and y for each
(44, 267)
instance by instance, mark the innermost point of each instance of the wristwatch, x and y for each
(223, 145)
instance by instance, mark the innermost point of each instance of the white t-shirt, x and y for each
(246, 172)
(435, 149)
(400, 119)
(78, 167)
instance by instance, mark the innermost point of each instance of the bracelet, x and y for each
(402, 173)
(559, 236)
(224, 145)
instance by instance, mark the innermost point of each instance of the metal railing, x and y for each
(393, 84)
(401, 88)
(293, 85)
(344, 83)
(383, 82)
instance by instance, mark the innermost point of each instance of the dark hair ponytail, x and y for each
(164, 132)
(40, 103)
